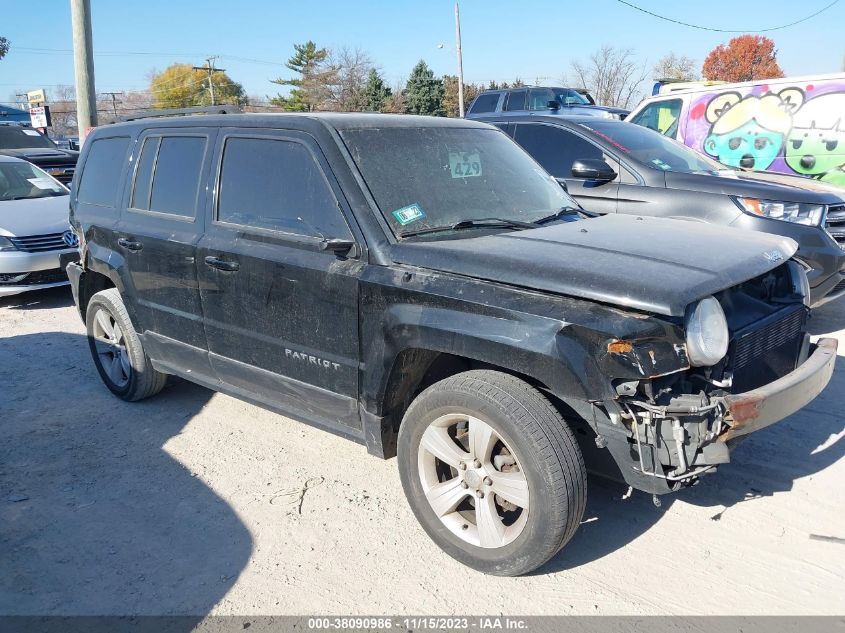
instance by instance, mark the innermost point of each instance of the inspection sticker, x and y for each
(411, 213)
(464, 164)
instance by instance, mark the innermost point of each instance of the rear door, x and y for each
(556, 149)
(158, 234)
(281, 313)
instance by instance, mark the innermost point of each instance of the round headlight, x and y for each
(707, 333)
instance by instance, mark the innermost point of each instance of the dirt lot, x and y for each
(193, 503)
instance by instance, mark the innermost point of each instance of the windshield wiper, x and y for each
(504, 223)
(563, 211)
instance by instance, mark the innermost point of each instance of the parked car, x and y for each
(618, 167)
(34, 230)
(422, 286)
(24, 142)
(792, 125)
(541, 100)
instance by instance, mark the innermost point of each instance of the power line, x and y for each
(707, 28)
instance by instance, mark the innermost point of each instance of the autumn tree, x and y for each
(376, 93)
(612, 75)
(673, 66)
(180, 86)
(424, 93)
(4, 47)
(311, 89)
(450, 95)
(347, 83)
(397, 102)
(745, 58)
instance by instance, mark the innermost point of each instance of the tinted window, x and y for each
(661, 117)
(177, 175)
(15, 137)
(555, 148)
(101, 174)
(274, 184)
(539, 99)
(485, 103)
(516, 100)
(144, 174)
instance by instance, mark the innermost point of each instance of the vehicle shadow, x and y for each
(96, 518)
(828, 318)
(47, 299)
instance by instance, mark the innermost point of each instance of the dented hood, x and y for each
(650, 264)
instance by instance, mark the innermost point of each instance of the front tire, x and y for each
(492, 471)
(117, 351)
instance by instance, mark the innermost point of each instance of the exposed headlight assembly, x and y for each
(6, 244)
(707, 333)
(797, 212)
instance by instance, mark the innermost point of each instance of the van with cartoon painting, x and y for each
(793, 126)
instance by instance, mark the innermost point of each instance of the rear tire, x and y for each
(118, 354)
(492, 471)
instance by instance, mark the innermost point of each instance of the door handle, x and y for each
(129, 245)
(221, 264)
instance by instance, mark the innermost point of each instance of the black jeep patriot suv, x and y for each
(422, 286)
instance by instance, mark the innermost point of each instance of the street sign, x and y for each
(40, 116)
(35, 97)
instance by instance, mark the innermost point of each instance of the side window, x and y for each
(144, 174)
(177, 175)
(661, 116)
(538, 99)
(277, 184)
(516, 100)
(485, 103)
(101, 174)
(555, 148)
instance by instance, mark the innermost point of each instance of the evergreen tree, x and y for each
(423, 92)
(312, 88)
(376, 93)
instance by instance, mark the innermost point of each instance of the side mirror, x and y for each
(593, 169)
(338, 246)
(553, 104)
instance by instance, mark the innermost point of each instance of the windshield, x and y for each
(567, 96)
(652, 149)
(20, 181)
(425, 177)
(16, 137)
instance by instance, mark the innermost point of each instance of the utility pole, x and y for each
(209, 61)
(113, 96)
(83, 66)
(460, 61)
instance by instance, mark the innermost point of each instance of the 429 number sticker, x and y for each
(464, 164)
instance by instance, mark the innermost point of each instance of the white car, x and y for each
(34, 230)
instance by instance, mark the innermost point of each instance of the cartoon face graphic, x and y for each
(749, 131)
(816, 144)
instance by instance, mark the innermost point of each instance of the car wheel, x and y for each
(118, 354)
(492, 471)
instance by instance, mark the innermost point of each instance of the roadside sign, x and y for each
(36, 97)
(40, 116)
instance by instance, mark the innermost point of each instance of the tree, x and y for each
(180, 86)
(673, 66)
(397, 102)
(311, 89)
(745, 58)
(423, 92)
(376, 93)
(347, 90)
(4, 47)
(450, 95)
(611, 75)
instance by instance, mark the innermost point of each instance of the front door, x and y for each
(280, 310)
(556, 149)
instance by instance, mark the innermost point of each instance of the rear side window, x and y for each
(101, 174)
(555, 148)
(485, 103)
(177, 175)
(516, 100)
(277, 185)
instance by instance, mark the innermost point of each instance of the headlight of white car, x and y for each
(6, 244)
(797, 212)
(707, 333)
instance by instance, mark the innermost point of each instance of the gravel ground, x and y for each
(194, 503)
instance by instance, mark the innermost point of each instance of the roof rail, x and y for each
(221, 109)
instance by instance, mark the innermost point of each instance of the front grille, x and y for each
(767, 351)
(835, 223)
(50, 276)
(39, 243)
(62, 173)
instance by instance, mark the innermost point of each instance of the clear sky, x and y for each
(501, 39)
